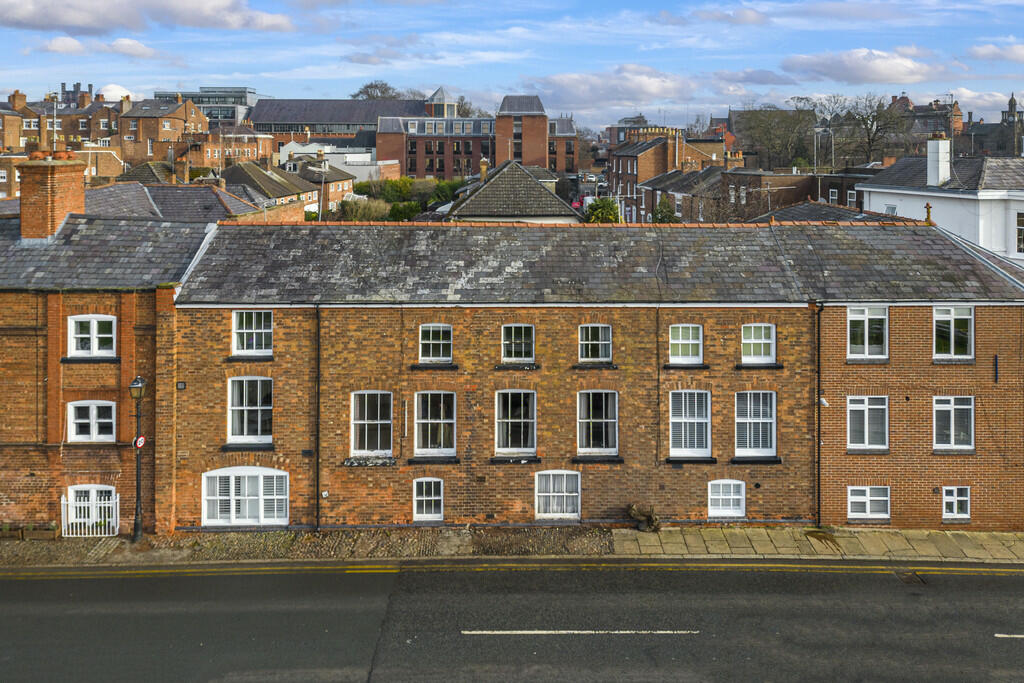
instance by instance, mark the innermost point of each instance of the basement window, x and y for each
(557, 495)
(245, 496)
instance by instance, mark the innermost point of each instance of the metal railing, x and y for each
(90, 518)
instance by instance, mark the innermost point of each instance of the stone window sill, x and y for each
(880, 521)
(681, 460)
(236, 447)
(89, 360)
(685, 366)
(952, 361)
(514, 459)
(756, 460)
(953, 451)
(957, 521)
(607, 459)
(369, 461)
(241, 358)
(97, 444)
(595, 366)
(759, 366)
(867, 451)
(437, 460)
(433, 366)
(517, 366)
(867, 361)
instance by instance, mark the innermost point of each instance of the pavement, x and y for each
(832, 543)
(592, 619)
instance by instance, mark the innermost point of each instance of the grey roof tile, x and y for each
(520, 104)
(511, 192)
(332, 111)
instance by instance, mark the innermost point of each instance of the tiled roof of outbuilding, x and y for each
(99, 253)
(495, 264)
(511, 192)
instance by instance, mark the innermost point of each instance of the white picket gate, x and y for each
(93, 517)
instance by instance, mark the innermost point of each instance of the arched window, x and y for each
(245, 496)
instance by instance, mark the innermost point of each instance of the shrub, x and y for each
(404, 211)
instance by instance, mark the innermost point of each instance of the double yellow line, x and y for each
(42, 574)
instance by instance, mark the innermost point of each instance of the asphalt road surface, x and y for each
(515, 622)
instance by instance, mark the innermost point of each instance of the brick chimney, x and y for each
(100, 97)
(51, 188)
(17, 100)
(177, 98)
(84, 100)
(181, 169)
(483, 169)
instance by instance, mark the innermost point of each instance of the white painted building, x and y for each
(980, 199)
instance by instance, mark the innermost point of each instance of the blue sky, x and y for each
(598, 60)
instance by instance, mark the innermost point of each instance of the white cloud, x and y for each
(627, 85)
(1012, 52)
(88, 16)
(861, 65)
(755, 77)
(913, 51)
(129, 47)
(742, 16)
(112, 92)
(980, 101)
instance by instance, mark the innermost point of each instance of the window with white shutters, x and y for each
(690, 420)
(245, 496)
(755, 423)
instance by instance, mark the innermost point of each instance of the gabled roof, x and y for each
(684, 182)
(196, 202)
(968, 173)
(99, 253)
(149, 172)
(440, 96)
(502, 264)
(332, 111)
(121, 200)
(510, 191)
(512, 105)
(153, 109)
(312, 171)
(632, 149)
(274, 183)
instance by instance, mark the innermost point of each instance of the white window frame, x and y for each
(749, 452)
(682, 420)
(354, 424)
(950, 313)
(533, 342)
(686, 360)
(730, 512)
(499, 423)
(951, 494)
(3, 175)
(833, 196)
(104, 124)
(91, 506)
(866, 404)
(233, 472)
(442, 327)
(865, 314)
(758, 360)
(580, 421)
(869, 495)
(237, 330)
(435, 452)
(851, 199)
(83, 124)
(427, 516)
(250, 438)
(93, 350)
(949, 404)
(93, 436)
(599, 344)
(578, 494)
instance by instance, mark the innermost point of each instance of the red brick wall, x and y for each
(910, 378)
(476, 490)
(50, 190)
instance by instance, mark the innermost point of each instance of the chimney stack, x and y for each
(17, 100)
(50, 190)
(181, 168)
(483, 169)
(938, 161)
(177, 98)
(320, 154)
(100, 97)
(84, 100)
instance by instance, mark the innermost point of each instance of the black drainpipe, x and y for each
(817, 409)
(316, 424)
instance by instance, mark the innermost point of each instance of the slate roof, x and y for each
(819, 211)
(332, 111)
(274, 183)
(684, 182)
(312, 171)
(152, 109)
(195, 202)
(521, 104)
(99, 253)
(511, 192)
(121, 200)
(268, 265)
(968, 173)
(563, 126)
(632, 149)
(250, 194)
(441, 96)
(149, 172)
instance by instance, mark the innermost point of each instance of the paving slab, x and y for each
(947, 546)
(915, 534)
(713, 534)
(872, 543)
(782, 539)
(674, 535)
(821, 547)
(695, 542)
(969, 546)
(764, 546)
(1017, 548)
(804, 547)
(895, 541)
(851, 546)
(923, 546)
(738, 540)
(624, 533)
(998, 551)
(674, 548)
(626, 547)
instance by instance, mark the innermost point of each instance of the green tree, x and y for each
(404, 211)
(602, 210)
(665, 211)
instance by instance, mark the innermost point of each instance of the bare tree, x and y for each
(874, 126)
(466, 110)
(777, 135)
(376, 90)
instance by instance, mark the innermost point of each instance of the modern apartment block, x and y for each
(222, 106)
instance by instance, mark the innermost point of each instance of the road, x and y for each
(715, 622)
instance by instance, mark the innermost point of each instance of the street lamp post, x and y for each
(137, 389)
